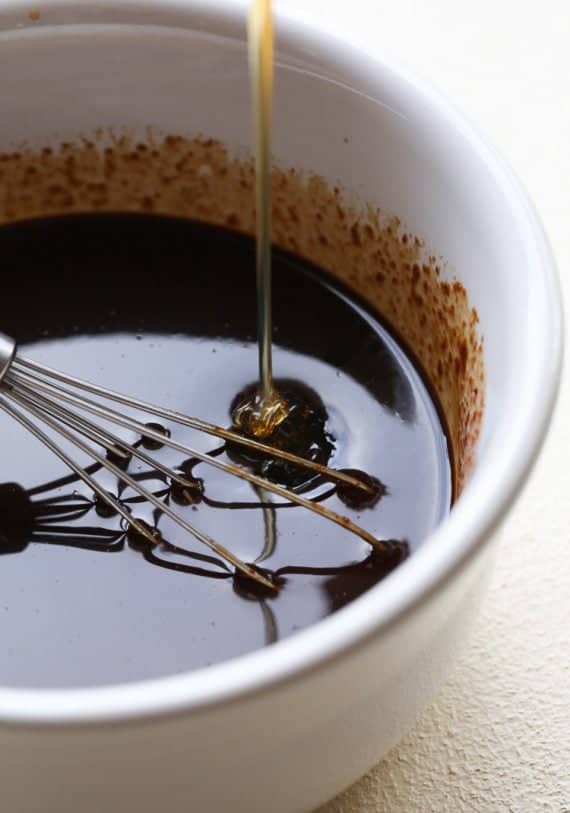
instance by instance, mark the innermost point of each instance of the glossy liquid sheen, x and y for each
(165, 310)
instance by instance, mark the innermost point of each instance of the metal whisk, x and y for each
(32, 393)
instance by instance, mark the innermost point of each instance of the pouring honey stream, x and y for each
(266, 408)
(284, 414)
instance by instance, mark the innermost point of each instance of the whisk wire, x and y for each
(42, 393)
(101, 436)
(216, 547)
(86, 404)
(20, 364)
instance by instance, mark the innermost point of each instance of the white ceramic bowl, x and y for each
(286, 728)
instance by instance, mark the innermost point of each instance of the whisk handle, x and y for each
(7, 353)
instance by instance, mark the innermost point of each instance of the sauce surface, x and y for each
(165, 310)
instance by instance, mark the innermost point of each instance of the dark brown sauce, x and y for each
(164, 309)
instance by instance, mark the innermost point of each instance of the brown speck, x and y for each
(293, 214)
(34, 15)
(463, 355)
(355, 235)
(172, 141)
(232, 220)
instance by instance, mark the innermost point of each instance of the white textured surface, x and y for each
(498, 737)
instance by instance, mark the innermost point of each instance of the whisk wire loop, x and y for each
(20, 365)
(58, 401)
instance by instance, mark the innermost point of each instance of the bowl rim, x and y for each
(454, 543)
